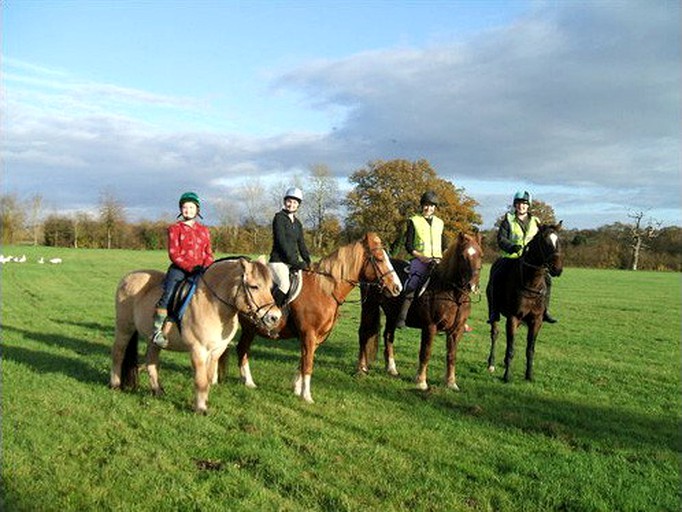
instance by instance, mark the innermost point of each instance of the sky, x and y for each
(576, 101)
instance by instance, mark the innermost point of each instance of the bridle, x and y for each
(544, 255)
(253, 312)
(372, 260)
(544, 264)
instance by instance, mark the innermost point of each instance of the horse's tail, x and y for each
(129, 373)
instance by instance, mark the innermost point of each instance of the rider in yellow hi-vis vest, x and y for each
(424, 243)
(516, 230)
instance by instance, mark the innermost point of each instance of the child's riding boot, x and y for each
(407, 301)
(159, 338)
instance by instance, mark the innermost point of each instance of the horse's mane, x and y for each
(340, 264)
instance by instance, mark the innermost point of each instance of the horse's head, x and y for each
(462, 262)
(257, 302)
(378, 268)
(547, 248)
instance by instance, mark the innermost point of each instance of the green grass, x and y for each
(598, 430)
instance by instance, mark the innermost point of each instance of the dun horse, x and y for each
(314, 312)
(520, 293)
(443, 307)
(228, 287)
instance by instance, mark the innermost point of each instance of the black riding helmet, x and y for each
(429, 197)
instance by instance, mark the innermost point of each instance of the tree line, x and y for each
(384, 195)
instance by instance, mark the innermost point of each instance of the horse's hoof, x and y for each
(249, 384)
(453, 386)
(308, 399)
(491, 369)
(362, 371)
(202, 411)
(422, 385)
(158, 392)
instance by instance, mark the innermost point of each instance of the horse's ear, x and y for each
(244, 263)
(558, 226)
(261, 259)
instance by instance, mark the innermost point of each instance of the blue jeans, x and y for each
(174, 276)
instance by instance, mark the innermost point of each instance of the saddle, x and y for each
(182, 294)
(287, 285)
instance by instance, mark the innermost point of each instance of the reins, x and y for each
(254, 309)
(369, 260)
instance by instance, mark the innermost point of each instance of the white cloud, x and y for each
(579, 100)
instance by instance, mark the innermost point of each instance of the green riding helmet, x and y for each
(522, 196)
(189, 197)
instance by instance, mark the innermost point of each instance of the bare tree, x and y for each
(112, 215)
(321, 199)
(640, 234)
(36, 206)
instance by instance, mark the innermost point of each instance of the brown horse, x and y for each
(314, 312)
(444, 306)
(519, 294)
(228, 287)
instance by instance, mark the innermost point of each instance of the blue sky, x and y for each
(578, 102)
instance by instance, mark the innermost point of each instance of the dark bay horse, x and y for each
(228, 287)
(443, 307)
(314, 312)
(519, 294)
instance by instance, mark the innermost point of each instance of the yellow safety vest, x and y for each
(518, 236)
(427, 237)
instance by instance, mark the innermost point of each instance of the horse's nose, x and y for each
(272, 318)
(397, 288)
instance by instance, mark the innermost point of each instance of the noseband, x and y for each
(253, 309)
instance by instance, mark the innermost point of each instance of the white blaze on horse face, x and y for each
(471, 251)
(394, 274)
(554, 238)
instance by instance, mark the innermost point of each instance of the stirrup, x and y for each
(159, 339)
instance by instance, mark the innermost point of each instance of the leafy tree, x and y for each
(543, 211)
(386, 194)
(58, 231)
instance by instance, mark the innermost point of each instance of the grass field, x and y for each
(598, 430)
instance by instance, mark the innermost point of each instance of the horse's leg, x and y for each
(389, 354)
(494, 333)
(425, 355)
(452, 341)
(243, 349)
(302, 384)
(368, 332)
(152, 363)
(512, 324)
(533, 329)
(121, 342)
(202, 384)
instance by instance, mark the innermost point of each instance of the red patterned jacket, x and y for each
(189, 246)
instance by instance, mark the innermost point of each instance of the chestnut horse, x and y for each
(519, 294)
(312, 315)
(443, 307)
(228, 287)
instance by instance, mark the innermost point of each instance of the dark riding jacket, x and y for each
(288, 242)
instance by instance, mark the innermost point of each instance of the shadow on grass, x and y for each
(585, 427)
(79, 369)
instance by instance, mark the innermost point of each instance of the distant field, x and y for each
(599, 429)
